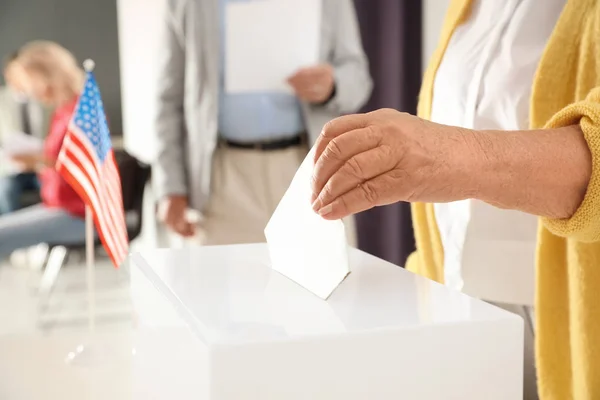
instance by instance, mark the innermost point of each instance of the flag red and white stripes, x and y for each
(87, 162)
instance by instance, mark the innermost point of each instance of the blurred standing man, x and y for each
(232, 156)
(17, 114)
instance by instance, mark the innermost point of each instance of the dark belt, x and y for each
(279, 144)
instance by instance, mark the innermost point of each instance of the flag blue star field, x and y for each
(87, 162)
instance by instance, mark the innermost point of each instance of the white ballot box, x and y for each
(220, 324)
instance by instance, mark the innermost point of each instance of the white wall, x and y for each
(137, 21)
(433, 17)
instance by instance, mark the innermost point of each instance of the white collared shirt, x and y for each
(484, 82)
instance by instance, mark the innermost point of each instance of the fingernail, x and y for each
(325, 210)
(316, 204)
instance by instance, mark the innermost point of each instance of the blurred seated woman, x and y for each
(55, 79)
(13, 185)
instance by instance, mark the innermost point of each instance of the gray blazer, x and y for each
(188, 89)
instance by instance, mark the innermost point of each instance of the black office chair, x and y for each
(134, 176)
(30, 198)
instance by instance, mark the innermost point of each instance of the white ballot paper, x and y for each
(17, 143)
(267, 41)
(303, 246)
(20, 143)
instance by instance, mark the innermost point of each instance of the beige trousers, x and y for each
(247, 186)
(529, 372)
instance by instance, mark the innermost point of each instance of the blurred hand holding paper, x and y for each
(304, 247)
(7, 165)
(269, 40)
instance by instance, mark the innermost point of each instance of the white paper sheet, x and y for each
(304, 247)
(21, 143)
(14, 144)
(269, 40)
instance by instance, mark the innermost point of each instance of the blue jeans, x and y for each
(38, 224)
(12, 188)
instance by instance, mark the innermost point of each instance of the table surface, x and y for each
(230, 295)
(35, 367)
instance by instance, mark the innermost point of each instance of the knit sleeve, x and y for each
(584, 225)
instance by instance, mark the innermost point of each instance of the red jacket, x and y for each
(55, 191)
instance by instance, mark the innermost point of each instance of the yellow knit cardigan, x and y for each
(566, 91)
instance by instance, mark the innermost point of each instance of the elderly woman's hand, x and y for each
(368, 160)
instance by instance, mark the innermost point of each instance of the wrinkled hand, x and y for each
(172, 211)
(313, 84)
(383, 157)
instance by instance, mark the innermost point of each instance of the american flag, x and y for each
(87, 162)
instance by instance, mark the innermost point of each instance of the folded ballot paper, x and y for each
(304, 247)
